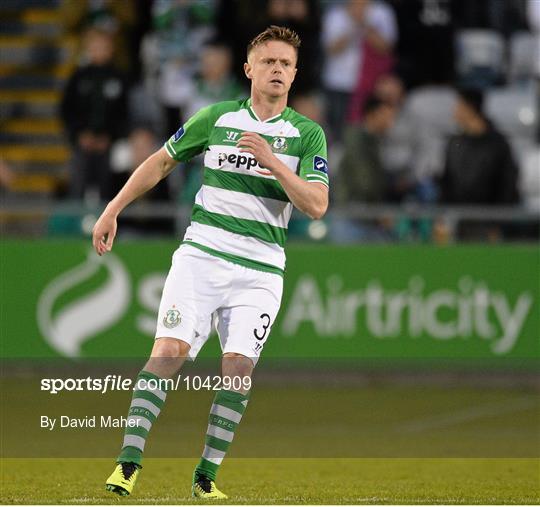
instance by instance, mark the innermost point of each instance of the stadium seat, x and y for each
(429, 111)
(514, 110)
(524, 56)
(480, 57)
(35, 60)
(530, 177)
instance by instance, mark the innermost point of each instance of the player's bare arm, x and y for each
(145, 177)
(310, 198)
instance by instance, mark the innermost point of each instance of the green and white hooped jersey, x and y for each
(241, 212)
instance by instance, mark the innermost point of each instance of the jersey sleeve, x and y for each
(313, 161)
(192, 138)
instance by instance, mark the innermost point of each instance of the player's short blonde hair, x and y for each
(275, 32)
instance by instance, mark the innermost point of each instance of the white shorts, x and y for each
(202, 290)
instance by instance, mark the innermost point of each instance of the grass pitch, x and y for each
(362, 444)
(282, 481)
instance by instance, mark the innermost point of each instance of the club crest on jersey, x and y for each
(179, 134)
(279, 145)
(172, 318)
(320, 164)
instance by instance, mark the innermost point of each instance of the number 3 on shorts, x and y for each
(260, 331)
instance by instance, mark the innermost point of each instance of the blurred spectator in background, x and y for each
(94, 112)
(480, 168)
(425, 50)
(126, 156)
(389, 88)
(399, 144)
(399, 151)
(349, 32)
(172, 51)
(117, 18)
(361, 175)
(379, 34)
(214, 82)
(413, 149)
(341, 43)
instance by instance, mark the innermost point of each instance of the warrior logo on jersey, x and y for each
(320, 164)
(279, 145)
(231, 136)
(172, 318)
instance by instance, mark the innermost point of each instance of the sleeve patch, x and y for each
(179, 134)
(320, 164)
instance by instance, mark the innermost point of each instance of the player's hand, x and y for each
(103, 233)
(259, 148)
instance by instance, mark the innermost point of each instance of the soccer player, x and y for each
(260, 158)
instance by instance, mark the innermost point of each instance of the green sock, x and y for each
(146, 404)
(225, 416)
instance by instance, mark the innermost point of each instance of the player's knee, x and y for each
(234, 364)
(170, 347)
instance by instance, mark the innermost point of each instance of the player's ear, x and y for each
(248, 70)
(295, 68)
(294, 74)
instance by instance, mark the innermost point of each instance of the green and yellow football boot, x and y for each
(123, 479)
(203, 487)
